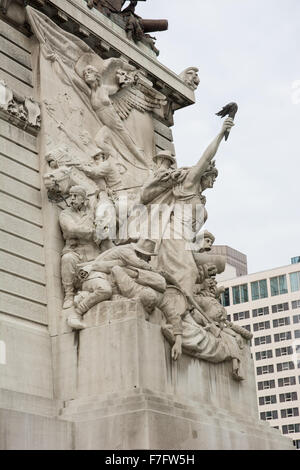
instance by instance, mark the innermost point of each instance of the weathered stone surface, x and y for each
(28, 365)
(65, 362)
(24, 431)
(130, 399)
(116, 383)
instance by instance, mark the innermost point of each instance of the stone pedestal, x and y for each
(131, 395)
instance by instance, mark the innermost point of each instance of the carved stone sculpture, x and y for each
(190, 77)
(134, 278)
(135, 26)
(94, 98)
(85, 171)
(206, 333)
(183, 187)
(22, 111)
(77, 225)
(109, 82)
(102, 167)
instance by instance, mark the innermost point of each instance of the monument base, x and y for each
(119, 389)
(147, 420)
(132, 395)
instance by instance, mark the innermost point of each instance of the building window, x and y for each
(241, 316)
(295, 304)
(268, 415)
(286, 335)
(291, 428)
(269, 369)
(295, 281)
(262, 340)
(295, 260)
(225, 300)
(284, 351)
(264, 355)
(261, 326)
(278, 285)
(268, 400)
(266, 384)
(240, 294)
(297, 333)
(285, 366)
(280, 307)
(286, 381)
(259, 312)
(281, 322)
(296, 318)
(289, 412)
(285, 397)
(297, 443)
(259, 289)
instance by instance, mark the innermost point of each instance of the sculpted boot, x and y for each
(69, 296)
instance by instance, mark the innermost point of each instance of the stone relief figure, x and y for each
(21, 108)
(101, 167)
(63, 174)
(106, 219)
(101, 86)
(190, 77)
(115, 89)
(128, 269)
(207, 263)
(109, 89)
(180, 188)
(204, 241)
(206, 333)
(78, 228)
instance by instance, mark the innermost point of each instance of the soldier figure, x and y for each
(77, 225)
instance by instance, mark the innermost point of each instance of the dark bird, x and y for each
(230, 110)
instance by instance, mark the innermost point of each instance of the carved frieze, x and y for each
(23, 112)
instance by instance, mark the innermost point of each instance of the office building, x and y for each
(268, 304)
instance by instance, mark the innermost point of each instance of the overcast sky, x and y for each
(247, 51)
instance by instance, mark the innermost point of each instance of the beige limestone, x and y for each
(113, 385)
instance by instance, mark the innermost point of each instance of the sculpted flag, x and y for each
(72, 119)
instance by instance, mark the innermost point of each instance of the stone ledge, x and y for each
(25, 403)
(112, 311)
(221, 426)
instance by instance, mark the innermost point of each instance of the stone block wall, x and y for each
(26, 366)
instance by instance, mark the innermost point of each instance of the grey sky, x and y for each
(247, 51)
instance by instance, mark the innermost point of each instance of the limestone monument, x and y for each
(112, 332)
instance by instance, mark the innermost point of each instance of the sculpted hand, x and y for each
(147, 267)
(165, 177)
(177, 348)
(227, 125)
(87, 169)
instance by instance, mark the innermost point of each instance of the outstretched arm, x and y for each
(197, 171)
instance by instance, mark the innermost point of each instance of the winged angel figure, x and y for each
(111, 88)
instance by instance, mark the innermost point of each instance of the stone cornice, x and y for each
(93, 23)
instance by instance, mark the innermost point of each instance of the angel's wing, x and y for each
(138, 96)
(110, 68)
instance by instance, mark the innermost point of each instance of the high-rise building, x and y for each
(236, 262)
(268, 304)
